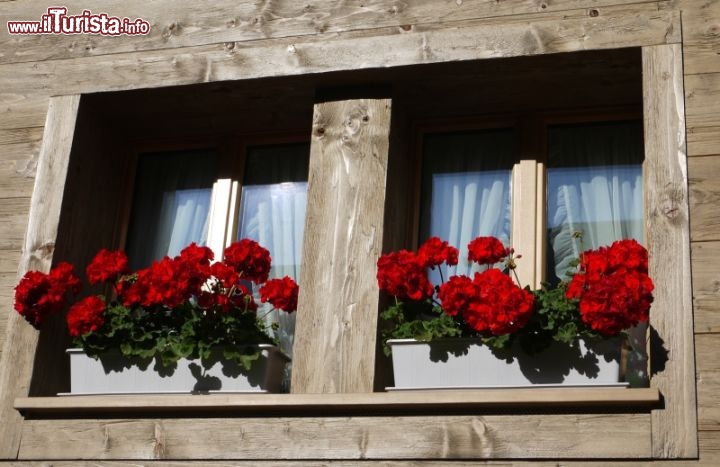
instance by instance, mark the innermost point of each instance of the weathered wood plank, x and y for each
(703, 140)
(706, 284)
(186, 23)
(20, 135)
(708, 381)
(668, 239)
(9, 260)
(704, 180)
(421, 437)
(13, 222)
(703, 100)
(701, 36)
(343, 239)
(19, 347)
(22, 110)
(622, 26)
(17, 169)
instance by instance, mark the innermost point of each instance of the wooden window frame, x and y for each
(669, 431)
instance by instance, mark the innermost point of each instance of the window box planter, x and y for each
(115, 374)
(467, 363)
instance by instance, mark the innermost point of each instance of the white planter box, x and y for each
(116, 375)
(466, 363)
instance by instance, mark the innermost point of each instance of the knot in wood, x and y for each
(594, 13)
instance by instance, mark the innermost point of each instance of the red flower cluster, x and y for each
(281, 293)
(39, 295)
(434, 252)
(487, 250)
(613, 287)
(170, 281)
(403, 275)
(188, 279)
(490, 302)
(250, 258)
(85, 316)
(107, 266)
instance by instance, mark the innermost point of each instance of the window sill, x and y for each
(415, 402)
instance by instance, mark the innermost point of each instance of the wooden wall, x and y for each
(195, 42)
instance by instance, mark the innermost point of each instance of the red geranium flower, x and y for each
(107, 266)
(281, 293)
(613, 288)
(487, 250)
(249, 259)
(436, 251)
(403, 275)
(39, 295)
(499, 306)
(86, 316)
(455, 294)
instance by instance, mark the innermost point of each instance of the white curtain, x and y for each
(594, 188)
(272, 212)
(171, 204)
(274, 216)
(466, 190)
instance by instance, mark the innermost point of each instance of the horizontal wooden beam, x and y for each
(558, 436)
(183, 23)
(404, 401)
(574, 30)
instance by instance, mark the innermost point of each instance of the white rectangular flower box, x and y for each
(467, 363)
(114, 374)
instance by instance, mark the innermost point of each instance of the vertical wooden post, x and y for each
(21, 339)
(526, 211)
(334, 350)
(668, 238)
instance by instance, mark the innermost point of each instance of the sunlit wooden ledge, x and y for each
(426, 401)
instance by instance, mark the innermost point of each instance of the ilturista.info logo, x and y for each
(57, 21)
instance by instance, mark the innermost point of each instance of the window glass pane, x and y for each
(595, 187)
(466, 188)
(171, 202)
(272, 212)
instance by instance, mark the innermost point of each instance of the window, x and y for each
(188, 196)
(474, 183)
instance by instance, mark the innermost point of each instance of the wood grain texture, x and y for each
(13, 222)
(704, 182)
(20, 135)
(621, 26)
(19, 346)
(706, 286)
(17, 169)
(22, 110)
(708, 382)
(334, 349)
(701, 36)
(668, 239)
(702, 95)
(420, 437)
(186, 23)
(703, 140)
